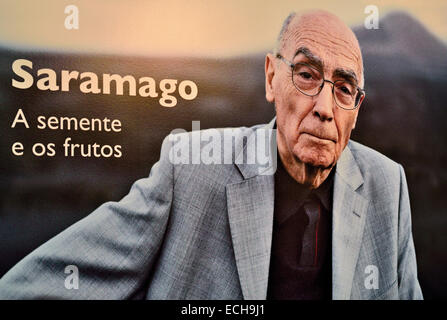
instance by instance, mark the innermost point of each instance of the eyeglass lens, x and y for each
(310, 81)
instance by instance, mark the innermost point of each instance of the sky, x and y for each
(182, 27)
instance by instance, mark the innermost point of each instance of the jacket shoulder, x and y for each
(368, 158)
(378, 170)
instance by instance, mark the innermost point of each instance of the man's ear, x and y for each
(360, 103)
(269, 74)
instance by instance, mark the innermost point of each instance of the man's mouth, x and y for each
(319, 136)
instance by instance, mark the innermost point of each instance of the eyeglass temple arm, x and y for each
(290, 64)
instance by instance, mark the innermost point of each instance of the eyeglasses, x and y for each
(310, 81)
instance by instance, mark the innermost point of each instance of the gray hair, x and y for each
(285, 26)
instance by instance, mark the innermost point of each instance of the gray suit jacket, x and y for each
(203, 231)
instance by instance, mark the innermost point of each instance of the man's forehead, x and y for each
(345, 69)
(326, 55)
(325, 35)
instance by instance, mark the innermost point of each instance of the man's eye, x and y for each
(345, 90)
(305, 75)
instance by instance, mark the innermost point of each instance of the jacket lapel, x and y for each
(348, 220)
(250, 210)
(250, 205)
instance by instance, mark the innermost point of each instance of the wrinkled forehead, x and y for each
(327, 37)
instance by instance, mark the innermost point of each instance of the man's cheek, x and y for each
(292, 132)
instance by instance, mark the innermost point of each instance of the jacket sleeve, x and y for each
(111, 250)
(409, 288)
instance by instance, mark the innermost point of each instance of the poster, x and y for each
(89, 89)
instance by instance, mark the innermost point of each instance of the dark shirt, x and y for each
(301, 263)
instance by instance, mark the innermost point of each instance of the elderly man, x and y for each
(332, 221)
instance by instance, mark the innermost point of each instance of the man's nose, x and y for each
(324, 103)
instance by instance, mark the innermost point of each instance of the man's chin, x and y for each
(321, 160)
